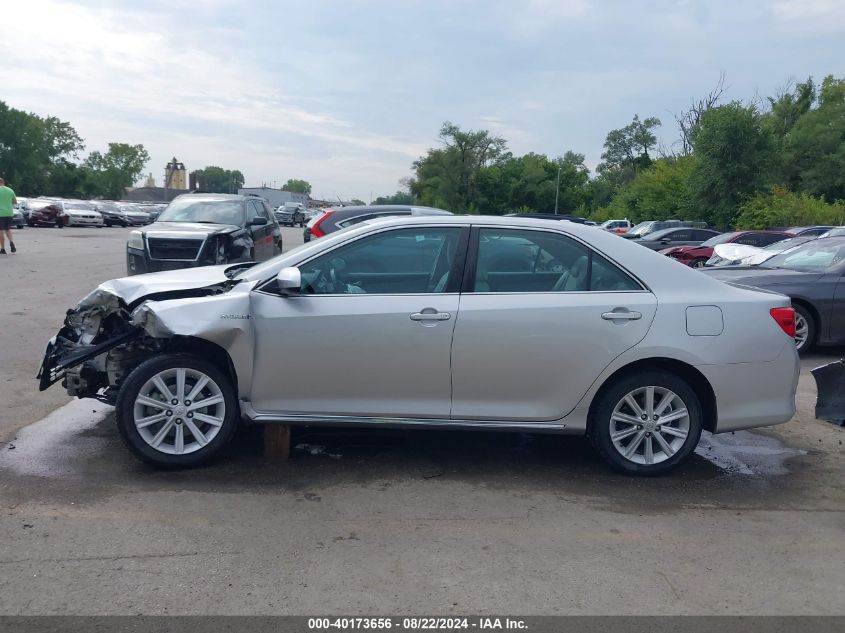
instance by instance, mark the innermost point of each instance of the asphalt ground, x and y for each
(389, 522)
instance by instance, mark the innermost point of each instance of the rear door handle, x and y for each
(622, 314)
(430, 316)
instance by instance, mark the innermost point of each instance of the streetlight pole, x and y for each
(557, 187)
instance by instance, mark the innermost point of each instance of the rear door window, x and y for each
(516, 260)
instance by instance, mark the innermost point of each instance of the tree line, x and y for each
(41, 156)
(38, 156)
(777, 161)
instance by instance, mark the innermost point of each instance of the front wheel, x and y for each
(699, 262)
(176, 411)
(646, 423)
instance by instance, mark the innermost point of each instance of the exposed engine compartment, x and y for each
(104, 338)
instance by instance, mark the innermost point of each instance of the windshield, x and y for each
(640, 228)
(34, 205)
(719, 239)
(273, 266)
(204, 211)
(815, 256)
(792, 242)
(87, 206)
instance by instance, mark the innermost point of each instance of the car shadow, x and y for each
(745, 468)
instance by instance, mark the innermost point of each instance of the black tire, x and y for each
(600, 421)
(125, 412)
(698, 262)
(810, 341)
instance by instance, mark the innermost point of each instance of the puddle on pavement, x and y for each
(54, 446)
(746, 453)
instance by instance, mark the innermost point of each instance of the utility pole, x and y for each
(557, 188)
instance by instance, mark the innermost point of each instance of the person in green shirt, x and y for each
(7, 206)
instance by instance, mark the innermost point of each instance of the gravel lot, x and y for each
(389, 522)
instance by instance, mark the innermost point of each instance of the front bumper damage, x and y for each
(830, 381)
(91, 349)
(115, 328)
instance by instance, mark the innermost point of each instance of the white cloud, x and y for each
(99, 70)
(809, 16)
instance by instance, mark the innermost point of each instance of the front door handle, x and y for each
(430, 316)
(622, 314)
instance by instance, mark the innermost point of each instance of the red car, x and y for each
(696, 256)
(45, 213)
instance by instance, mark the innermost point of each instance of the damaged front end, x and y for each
(96, 345)
(114, 329)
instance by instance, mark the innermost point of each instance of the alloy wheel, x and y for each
(649, 425)
(179, 410)
(802, 330)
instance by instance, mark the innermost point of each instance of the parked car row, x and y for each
(59, 212)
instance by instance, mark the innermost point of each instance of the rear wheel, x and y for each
(176, 411)
(805, 329)
(646, 423)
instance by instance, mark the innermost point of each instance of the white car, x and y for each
(82, 214)
(617, 226)
(733, 254)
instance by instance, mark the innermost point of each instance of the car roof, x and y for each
(216, 196)
(341, 213)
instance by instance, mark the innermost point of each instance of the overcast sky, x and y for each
(346, 94)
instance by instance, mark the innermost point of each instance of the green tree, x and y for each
(447, 177)
(33, 147)
(660, 192)
(298, 186)
(400, 197)
(790, 105)
(110, 174)
(528, 183)
(734, 153)
(813, 156)
(218, 180)
(626, 150)
(780, 207)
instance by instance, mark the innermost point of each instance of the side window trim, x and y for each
(267, 286)
(471, 266)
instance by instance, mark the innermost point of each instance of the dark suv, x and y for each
(336, 219)
(205, 230)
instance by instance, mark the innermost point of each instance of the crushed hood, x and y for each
(187, 229)
(131, 289)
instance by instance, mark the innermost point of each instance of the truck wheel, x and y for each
(177, 411)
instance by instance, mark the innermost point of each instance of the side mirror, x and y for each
(665, 240)
(258, 221)
(289, 281)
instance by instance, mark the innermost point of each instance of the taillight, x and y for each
(316, 231)
(785, 318)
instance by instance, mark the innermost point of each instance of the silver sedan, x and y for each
(436, 322)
